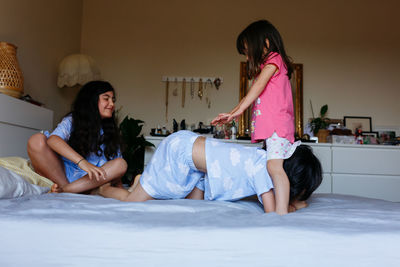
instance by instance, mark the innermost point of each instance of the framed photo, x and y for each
(387, 135)
(372, 134)
(353, 123)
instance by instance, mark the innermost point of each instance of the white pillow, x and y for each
(12, 185)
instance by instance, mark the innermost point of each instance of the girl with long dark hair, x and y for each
(83, 152)
(271, 96)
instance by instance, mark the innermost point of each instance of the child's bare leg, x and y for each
(45, 161)
(135, 182)
(281, 185)
(196, 194)
(137, 195)
(109, 191)
(114, 169)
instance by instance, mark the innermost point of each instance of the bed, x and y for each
(81, 230)
(42, 229)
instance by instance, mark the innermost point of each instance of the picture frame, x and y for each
(371, 134)
(353, 122)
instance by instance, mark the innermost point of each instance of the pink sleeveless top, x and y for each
(273, 109)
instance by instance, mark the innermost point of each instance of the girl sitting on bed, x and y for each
(188, 165)
(83, 152)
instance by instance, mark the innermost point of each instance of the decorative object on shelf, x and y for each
(11, 79)
(353, 123)
(174, 126)
(135, 145)
(370, 138)
(233, 130)
(29, 99)
(77, 69)
(320, 124)
(183, 125)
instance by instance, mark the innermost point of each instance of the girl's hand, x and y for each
(291, 208)
(92, 171)
(298, 204)
(220, 119)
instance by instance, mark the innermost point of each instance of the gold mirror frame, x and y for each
(297, 92)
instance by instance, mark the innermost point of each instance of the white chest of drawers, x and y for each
(18, 121)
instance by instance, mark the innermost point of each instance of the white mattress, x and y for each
(79, 230)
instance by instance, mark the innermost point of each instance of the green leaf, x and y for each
(324, 109)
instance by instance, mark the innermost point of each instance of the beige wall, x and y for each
(349, 50)
(44, 31)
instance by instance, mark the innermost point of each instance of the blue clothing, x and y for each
(171, 173)
(72, 171)
(234, 171)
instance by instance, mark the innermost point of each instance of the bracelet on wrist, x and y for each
(80, 161)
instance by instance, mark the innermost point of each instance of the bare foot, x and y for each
(135, 182)
(55, 188)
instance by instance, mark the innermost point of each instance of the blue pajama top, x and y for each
(235, 171)
(72, 171)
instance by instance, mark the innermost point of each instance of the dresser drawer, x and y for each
(373, 186)
(366, 160)
(324, 154)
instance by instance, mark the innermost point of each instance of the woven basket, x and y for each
(11, 80)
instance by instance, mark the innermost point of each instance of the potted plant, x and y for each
(134, 147)
(320, 124)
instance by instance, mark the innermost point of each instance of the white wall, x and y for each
(44, 31)
(349, 50)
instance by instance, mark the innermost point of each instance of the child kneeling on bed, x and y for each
(186, 165)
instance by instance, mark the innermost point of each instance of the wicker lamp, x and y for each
(77, 69)
(11, 79)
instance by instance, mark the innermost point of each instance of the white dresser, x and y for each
(18, 121)
(362, 170)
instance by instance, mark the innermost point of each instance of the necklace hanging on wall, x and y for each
(192, 88)
(200, 92)
(166, 100)
(175, 92)
(183, 92)
(217, 83)
(207, 92)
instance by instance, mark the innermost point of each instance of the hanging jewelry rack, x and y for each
(189, 78)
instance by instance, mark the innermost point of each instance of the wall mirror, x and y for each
(297, 92)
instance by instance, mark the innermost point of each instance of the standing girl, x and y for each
(83, 152)
(271, 93)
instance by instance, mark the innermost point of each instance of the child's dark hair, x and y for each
(251, 42)
(304, 172)
(86, 123)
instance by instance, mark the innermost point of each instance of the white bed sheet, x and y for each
(80, 230)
